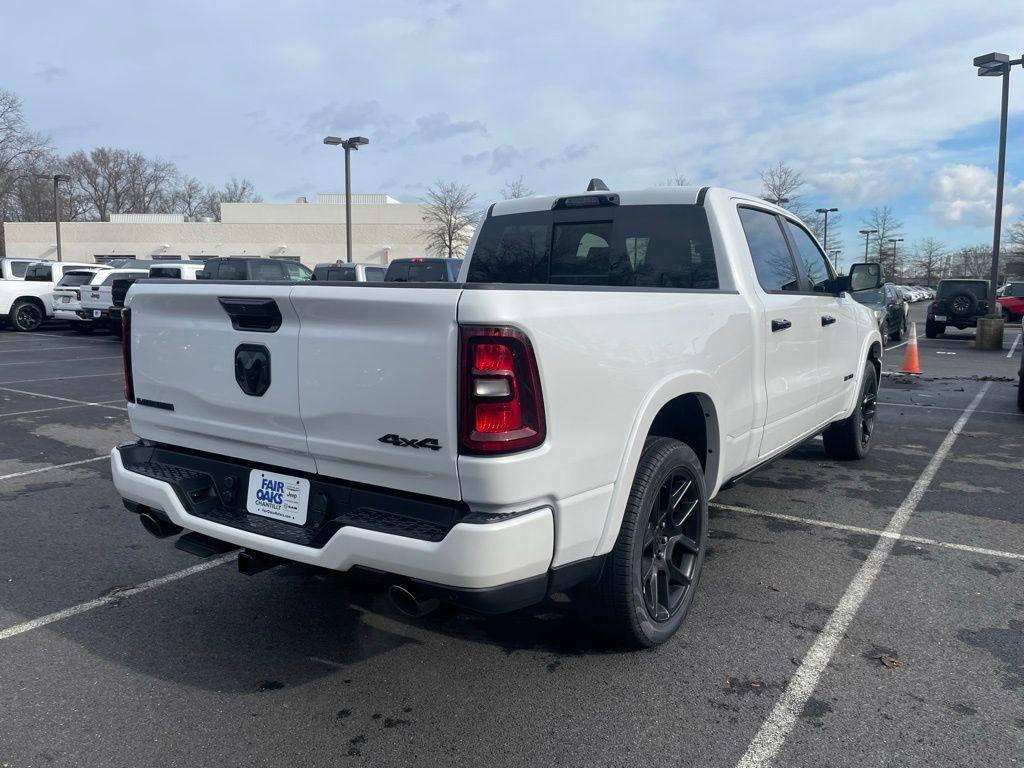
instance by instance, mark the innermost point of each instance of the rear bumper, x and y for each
(511, 555)
(66, 314)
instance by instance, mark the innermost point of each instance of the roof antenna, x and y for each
(596, 185)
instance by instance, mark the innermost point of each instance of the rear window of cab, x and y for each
(650, 246)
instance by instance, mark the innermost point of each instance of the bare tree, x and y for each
(19, 147)
(189, 198)
(239, 191)
(781, 185)
(675, 179)
(887, 226)
(929, 256)
(448, 215)
(1015, 249)
(816, 222)
(515, 189)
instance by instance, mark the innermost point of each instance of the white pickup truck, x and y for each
(557, 419)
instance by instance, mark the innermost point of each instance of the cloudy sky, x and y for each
(875, 102)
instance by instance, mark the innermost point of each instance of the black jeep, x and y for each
(958, 303)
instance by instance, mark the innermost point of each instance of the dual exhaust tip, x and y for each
(406, 599)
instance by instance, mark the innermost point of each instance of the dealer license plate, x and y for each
(280, 497)
(97, 313)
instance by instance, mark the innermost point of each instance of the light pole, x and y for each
(353, 143)
(835, 253)
(57, 179)
(867, 236)
(993, 65)
(826, 211)
(894, 240)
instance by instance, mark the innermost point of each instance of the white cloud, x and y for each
(966, 194)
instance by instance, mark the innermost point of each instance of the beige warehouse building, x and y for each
(382, 229)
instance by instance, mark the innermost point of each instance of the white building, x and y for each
(382, 229)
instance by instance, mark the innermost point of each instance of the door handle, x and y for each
(780, 325)
(827, 319)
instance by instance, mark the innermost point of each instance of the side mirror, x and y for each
(864, 277)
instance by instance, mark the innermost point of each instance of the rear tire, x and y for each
(1007, 316)
(26, 316)
(850, 439)
(933, 329)
(651, 575)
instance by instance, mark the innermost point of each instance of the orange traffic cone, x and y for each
(910, 361)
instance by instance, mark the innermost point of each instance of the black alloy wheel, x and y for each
(868, 409)
(671, 546)
(27, 316)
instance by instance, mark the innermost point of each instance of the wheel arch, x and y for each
(683, 408)
(47, 312)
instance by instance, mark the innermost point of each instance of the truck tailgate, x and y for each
(183, 347)
(378, 384)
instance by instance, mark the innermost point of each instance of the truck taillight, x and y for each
(500, 405)
(126, 354)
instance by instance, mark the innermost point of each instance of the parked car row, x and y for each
(90, 295)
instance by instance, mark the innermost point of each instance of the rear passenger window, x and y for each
(816, 268)
(267, 270)
(769, 250)
(651, 246)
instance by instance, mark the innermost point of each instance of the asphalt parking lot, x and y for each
(850, 614)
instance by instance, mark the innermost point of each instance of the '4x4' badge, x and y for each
(407, 442)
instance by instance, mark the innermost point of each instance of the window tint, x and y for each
(426, 272)
(72, 279)
(18, 268)
(173, 273)
(772, 260)
(815, 267)
(666, 246)
(40, 272)
(345, 274)
(398, 272)
(1016, 290)
(374, 275)
(297, 271)
(231, 270)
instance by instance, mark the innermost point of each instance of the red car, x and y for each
(1012, 301)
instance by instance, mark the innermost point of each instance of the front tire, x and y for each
(651, 575)
(26, 316)
(850, 439)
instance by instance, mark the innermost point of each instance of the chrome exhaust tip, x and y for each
(411, 604)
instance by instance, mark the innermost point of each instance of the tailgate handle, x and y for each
(261, 315)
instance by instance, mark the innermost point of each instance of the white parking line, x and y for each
(1013, 347)
(872, 531)
(54, 466)
(897, 346)
(65, 378)
(61, 399)
(58, 408)
(99, 602)
(775, 729)
(958, 410)
(63, 360)
(36, 335)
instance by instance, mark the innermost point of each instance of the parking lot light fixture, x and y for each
(349, 144)
(826, 212)
(992, 65)
(867, 236)
(894, 240)
(57, 178)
